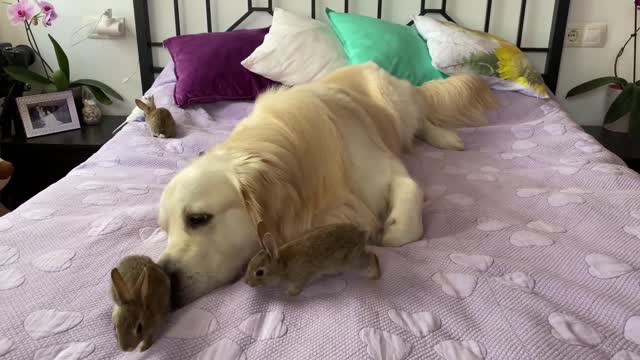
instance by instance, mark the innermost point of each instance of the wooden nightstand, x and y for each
(623, 145)
(41, 161)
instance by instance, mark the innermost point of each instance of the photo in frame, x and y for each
(45, 114)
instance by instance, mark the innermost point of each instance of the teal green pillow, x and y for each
(397, 48)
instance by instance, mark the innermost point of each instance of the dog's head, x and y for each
(211, 235)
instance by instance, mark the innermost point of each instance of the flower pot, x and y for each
(621, 125)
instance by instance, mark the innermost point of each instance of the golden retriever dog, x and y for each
(307, 156)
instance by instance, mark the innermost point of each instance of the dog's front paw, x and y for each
(401, 230)
(451, 141)
(442, 138)
(294, 291)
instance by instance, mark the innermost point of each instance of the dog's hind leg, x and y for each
(404, 221)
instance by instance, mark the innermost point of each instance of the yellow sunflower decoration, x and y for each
(513, 65)
(458, 49)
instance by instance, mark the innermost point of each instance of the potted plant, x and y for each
(24, 12)
(624, 112)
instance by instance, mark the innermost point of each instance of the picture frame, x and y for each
(46, 114)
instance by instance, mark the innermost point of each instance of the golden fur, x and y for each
(288, 122)
(311, 155)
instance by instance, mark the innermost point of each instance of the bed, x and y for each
(530, 252)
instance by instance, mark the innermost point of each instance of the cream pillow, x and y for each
(455, 49)
(296, 50)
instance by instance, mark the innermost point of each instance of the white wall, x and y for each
(109, 61)
(113, 60)
(580, 65)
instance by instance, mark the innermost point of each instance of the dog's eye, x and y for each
(259, 273)
(197, 220)
(139, 329)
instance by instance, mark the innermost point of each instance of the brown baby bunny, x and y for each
(159, 120)
(140, 292)
(320, 251)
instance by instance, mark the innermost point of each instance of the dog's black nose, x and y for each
(175, 280)
(166, 265)
(170, 269)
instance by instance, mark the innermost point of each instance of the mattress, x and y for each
(531, 251)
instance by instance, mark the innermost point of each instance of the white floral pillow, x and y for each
(455, 49)
(296, 50)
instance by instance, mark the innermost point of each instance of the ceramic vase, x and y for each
(91, 113)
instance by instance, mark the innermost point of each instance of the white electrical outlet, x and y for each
(586, 35)
(574, 36)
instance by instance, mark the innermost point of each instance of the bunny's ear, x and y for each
(270, 245)
(141, 104)
(143, 286)
(152, 102)
(122, 291)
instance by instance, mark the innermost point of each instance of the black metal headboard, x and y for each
(554, 50)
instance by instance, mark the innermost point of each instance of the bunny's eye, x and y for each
(259, 273)
(139, 329)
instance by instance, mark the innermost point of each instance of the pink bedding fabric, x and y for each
(531, 251)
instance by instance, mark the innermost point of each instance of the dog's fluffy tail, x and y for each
(458, 101)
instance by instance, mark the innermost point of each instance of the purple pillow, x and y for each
(208, 68)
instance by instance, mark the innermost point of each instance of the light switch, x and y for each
(595, 35)
(592, 36)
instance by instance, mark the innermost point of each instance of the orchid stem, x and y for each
(621, 52)
(34, 45)
(635, 47)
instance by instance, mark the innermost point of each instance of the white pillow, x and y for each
(296, 50)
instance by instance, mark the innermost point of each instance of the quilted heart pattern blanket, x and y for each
(531, 251)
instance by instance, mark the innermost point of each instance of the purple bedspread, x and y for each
(531, 251)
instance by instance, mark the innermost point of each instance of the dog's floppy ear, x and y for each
(253, 177)
(262, 230)
(251, 205)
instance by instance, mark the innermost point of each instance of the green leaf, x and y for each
(60, 80)
(100, 85)
(622, 105)
(49, 88)
(596, 83)
(63, 61)
(99, 95)
(483, 69)
(26, 76)
(634, 119)
(482, 63)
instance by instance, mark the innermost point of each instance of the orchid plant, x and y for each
(24, 12)
(628, 101)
